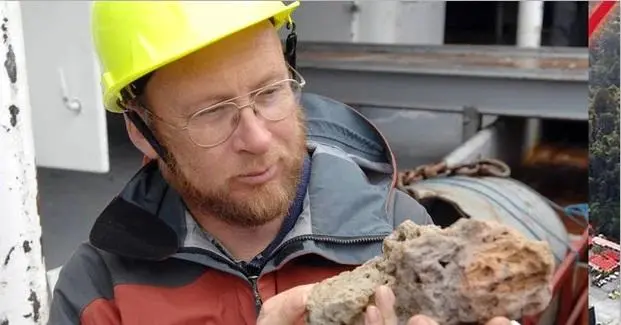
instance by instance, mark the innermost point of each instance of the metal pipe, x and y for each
(23, 285)
(530, 23)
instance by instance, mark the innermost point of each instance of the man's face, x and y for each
(251, 178)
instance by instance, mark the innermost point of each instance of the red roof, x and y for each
(610, 254)
(602, 263)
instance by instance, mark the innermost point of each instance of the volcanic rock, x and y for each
(467, 273)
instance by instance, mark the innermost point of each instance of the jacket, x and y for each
(147, 261)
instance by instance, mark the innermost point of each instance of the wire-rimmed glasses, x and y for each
(213, 125)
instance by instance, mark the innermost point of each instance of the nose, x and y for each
(251, 134)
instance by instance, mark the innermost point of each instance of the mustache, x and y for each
(261, 163)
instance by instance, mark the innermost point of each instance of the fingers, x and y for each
(293, 302)
(373, 316)
(421, 320)
(383, 313)
(499, 321)
(285, 308)
(385, 301)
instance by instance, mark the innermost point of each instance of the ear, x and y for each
(139, 140)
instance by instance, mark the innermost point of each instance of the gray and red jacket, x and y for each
(148, 262)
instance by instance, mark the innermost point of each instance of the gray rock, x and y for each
(467, 273)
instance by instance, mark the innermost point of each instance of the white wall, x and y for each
(60, 61)
(405, 22)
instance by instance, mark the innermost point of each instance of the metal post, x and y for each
(530, 24)
(23, 287)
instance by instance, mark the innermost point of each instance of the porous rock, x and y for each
(467, 273)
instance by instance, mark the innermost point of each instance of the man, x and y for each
(252, 193)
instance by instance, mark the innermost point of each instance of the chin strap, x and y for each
(291, 44)
(146, 133)
(142, 127)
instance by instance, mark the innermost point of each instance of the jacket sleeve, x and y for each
(406, 207)
(83, 292)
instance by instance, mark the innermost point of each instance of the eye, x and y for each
(271, 90)
(214, 110)
(272, 93)
(214, 114)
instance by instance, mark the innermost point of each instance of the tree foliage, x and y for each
(604, 129)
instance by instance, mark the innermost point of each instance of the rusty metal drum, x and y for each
(502, 199)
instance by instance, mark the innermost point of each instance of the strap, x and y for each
(146, 132)
(291, 44)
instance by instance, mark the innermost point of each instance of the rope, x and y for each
(482, 167)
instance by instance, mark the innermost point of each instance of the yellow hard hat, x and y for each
(133, 38)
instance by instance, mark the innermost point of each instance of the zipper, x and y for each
(252, 279)
(258, 302)
(250, 272)
(326, 239)
(332, 240)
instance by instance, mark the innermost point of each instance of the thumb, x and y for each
(285, 308)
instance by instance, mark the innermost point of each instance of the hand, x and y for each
(285, 308)
(384, 312)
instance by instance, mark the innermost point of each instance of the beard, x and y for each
(255, 205)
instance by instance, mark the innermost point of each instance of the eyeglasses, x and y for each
(212, 126)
